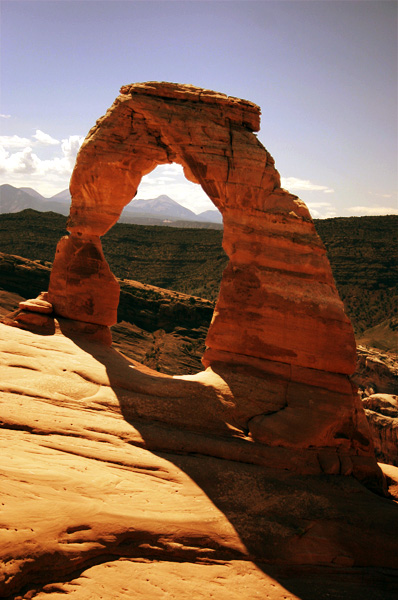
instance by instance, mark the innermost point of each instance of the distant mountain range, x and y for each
(14, 200)
(156, 211)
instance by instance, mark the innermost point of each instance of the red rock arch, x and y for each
(278, 301)
(279, 341)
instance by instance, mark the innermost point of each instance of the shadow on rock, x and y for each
(320, 537)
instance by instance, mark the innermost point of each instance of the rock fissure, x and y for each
(264, 414)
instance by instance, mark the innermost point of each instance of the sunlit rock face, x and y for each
(82, 286)
(279, 320)
(119, 482)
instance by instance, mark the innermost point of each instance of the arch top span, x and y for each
(210, 134)
(239, 111)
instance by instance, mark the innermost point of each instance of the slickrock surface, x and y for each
(278, 313)
(117, 483)
(169, 335)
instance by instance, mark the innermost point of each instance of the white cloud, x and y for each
(27, 169)
(44, 138)
(5, 116)
(319, 204)
(70, 147)
(23, 162)
(321, 210)
(14, 141)
(361, 211)
(294, 184)
(39, 138)
(381, 195)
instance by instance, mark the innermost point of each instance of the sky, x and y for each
(324, 73)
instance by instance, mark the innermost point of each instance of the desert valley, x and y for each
(215, 413)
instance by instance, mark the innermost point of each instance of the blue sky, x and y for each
(323, 72)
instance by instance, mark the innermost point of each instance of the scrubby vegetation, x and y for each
(362, 252)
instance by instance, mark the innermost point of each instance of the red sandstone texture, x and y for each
(279, 328)
(278, 300)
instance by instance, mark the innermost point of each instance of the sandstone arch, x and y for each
(278, 310)
(278, 300)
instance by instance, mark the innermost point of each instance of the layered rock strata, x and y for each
(279, 336)
(376, 371)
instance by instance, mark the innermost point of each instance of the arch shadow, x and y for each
(278, 305)
(288, 523)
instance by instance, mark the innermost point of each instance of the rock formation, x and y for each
(118, 481)
(376, 371)
(278, 317)
(377, 379)
(111, 488)
(382, 415)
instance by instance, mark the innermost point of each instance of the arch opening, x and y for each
(186, 254)
(166, 197)
(163, 244)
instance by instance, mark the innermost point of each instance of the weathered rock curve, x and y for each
(278, 318)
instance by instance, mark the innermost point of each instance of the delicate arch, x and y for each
(278, 301)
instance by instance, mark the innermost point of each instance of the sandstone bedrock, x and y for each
(119, 482)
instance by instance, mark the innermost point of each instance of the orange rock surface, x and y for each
(279, 329)
(118, 482)
(82, 286)
(241, 481)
